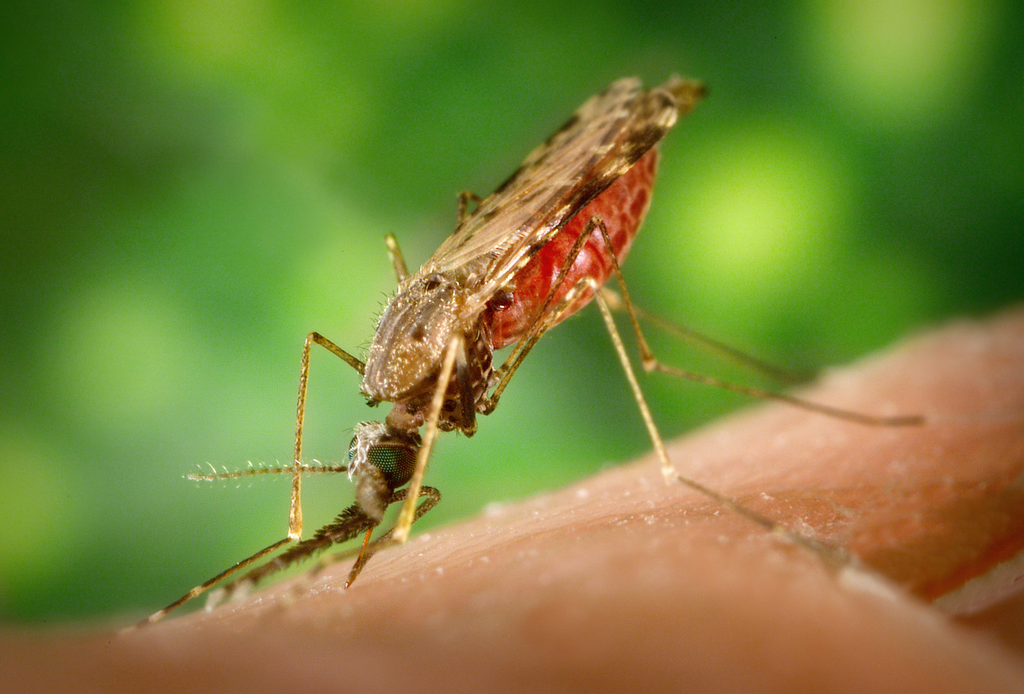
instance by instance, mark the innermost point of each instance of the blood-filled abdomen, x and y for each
(622, 207)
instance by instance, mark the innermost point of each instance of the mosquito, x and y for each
(524, 259)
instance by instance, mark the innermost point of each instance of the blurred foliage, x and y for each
(189, 188)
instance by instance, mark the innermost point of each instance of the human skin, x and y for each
(623, 583)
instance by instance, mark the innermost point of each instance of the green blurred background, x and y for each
(189, 189)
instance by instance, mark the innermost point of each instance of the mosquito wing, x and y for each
(605, 137)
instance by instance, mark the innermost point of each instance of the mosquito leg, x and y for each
(651, 363)
(590, 284)
(397, 259)
(831, 555)
(544, 320)
(710, 344)
(297, 469)
(295, 510)
(549, 316)
(205, 586)
(315, 337)
(455, 347)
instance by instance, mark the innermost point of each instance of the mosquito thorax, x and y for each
(408, 346)
(381, 459)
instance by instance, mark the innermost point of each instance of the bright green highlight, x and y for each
(901, 64)
(770, 205)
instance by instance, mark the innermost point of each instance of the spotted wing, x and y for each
(605, 137)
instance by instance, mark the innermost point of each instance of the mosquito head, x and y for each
(381, 459)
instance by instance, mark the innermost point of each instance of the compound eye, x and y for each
(396, 460)
(392, 453)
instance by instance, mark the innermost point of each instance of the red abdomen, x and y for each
(622, 206)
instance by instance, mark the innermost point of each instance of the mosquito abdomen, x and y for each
(621, 207)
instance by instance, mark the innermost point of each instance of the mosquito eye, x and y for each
(395, 460)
